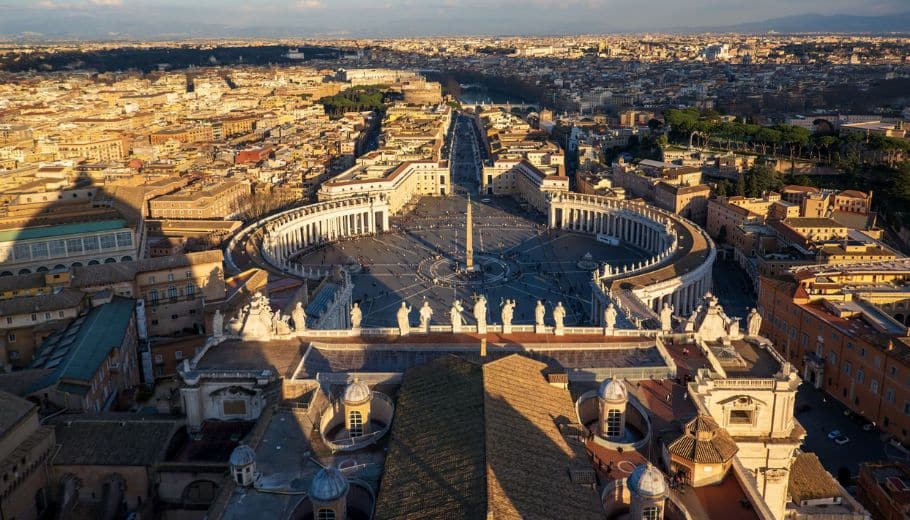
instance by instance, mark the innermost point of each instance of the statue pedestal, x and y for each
(506, 328)
(425, 329)
(355, 331)
(403, 331)
(540, 329)
(456, 329)
(608, 331)
(481, 329)
(559, 331)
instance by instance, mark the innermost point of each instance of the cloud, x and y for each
(310, 4)
(107, 3)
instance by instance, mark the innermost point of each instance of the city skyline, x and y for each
(138, 19)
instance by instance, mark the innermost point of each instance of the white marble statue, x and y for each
(356, 316)
(455, 315)
(610, 316)
(666, 317)
(426, 313)
(404, 324)
(753, 323)
(539, 313)
(508, 312)
(299, 317)
(559, 316)
(256, 320)
(480, 313)
(218, 324)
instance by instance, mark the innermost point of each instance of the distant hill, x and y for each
(837, 23)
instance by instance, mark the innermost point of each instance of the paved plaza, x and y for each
(526, 261)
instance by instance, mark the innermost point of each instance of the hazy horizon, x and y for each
(101, 19)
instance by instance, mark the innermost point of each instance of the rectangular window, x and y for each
(860, 376)
(108, 242)
(39, 250)
(234, 407)
(22, 252)
(74, 246)
(740, 417)
(862, 352)
(159, 358)
(873, 386)
(848, 367)
(906, 407)
(57, 248)
(878, 361)
(889, 395)
(125, 239)
(832, 358)
(178, 354)
(90, 243)
(11, 338)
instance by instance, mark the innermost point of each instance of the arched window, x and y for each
(650, 513)
(356, 420)
(325, 514)
(614, 423)
(24, 271)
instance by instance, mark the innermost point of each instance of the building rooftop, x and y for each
(810, 481)
(12, 410)
(470, 441)
(14, 235)
(77, 352)
(116, 440)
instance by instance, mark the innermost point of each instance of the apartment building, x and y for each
(846, 330)
(202, 201)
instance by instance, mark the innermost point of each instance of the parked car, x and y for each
(843, 439)
(833, 434)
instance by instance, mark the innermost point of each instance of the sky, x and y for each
(389, 18)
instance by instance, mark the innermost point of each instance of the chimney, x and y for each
(483, 348)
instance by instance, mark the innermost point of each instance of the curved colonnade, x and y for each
(677, 273)
(291, 232)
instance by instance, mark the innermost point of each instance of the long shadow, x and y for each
(468, 442)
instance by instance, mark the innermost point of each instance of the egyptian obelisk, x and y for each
(469, 241)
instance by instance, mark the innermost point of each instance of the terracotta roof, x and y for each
(704, 442)
(435, 465)
(528, 459)
(64, 299)
(12, 410)
(472, 442)
(112, 441)
(810, 481)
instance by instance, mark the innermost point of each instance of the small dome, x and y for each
(613, 390)
(357, 392)
(647, 481)
(328, 485)
(242, 455)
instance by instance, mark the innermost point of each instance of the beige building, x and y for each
(206, 201)
(25, 450)
(398, 184)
